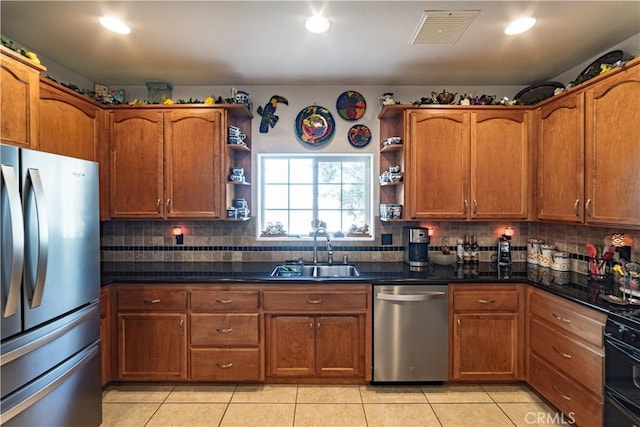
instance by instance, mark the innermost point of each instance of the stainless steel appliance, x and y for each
(504, 251)
(50, 348)
(410, 333)
(622, 372)
(416, 249)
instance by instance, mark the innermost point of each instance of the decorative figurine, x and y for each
(267, 113)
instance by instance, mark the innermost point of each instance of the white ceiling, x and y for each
(265, 43)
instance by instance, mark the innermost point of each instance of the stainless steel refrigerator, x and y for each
(50, 316)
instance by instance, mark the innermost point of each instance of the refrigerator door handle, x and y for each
(8, 179)
(36, 290)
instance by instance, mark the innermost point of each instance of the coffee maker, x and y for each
(504, 251)
(416, 246)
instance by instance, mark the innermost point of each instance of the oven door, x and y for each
(622, 383)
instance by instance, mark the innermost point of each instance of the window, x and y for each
(297, 189)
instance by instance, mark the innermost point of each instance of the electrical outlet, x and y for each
(386, 239)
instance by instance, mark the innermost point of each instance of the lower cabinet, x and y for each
(106, 334)
(152, 337)
(566, 356)
(315, 345)
(318, 335)
(487, 332)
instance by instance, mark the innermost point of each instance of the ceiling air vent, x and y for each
(442, 26)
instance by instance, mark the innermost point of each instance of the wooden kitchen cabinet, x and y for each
(561, 159)
(172, 162)
(106, 335)
(566, 355)
(152, 333)
(19, 92)
(468, 163)
(70, 124)
(392, 125)
(487, 332)
(226, 334)
(318, 335)
(612, 134)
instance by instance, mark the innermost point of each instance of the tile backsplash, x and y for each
(236, 241)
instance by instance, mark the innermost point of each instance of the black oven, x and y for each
(622, 373)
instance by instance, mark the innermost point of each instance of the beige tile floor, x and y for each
(133, 405)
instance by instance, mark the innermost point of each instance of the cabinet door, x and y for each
(561, 159)
(136, 164)
(499, 164)
(291, 345)
(68, 124)
(485, 346)
(613, 149)
(339, 349)
(437, 183)
(19, 85)
(193, 164)
(152, 346)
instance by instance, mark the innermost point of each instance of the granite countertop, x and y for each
(570, 285)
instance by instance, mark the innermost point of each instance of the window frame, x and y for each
(341, 157)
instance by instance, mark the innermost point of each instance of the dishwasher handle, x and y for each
(411, 297)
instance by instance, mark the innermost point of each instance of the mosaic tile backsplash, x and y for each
(148, 241)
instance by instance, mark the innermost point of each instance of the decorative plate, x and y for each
(537, 92)
(315, 125)
(351, 105)
(359, 136)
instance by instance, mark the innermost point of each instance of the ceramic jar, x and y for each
(561, 261)
(533, 250)
(546, 255)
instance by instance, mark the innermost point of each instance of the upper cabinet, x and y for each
(589, 152)
(70, 123)
(561, 159)
(170, 162)
(467, 163)
(612, 134)
(19, 86)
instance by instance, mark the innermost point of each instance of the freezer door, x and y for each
(11, 241)
(62, 261)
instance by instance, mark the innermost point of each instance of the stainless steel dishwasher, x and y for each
(410, 333)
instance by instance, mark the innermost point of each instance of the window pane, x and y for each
(353, 172)
(353, 197)
(276, 196)
(329, 196)
(302, 171)
(333, 218)
(301, 222)
(329, 172)
(301, 197)
(276, 171)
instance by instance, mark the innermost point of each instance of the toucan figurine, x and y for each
(267, 113)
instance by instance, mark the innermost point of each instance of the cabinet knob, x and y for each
(475, 206)
(565, 355)
(314, 301)
(575, 207)
(465, 207)
(484, 301)
(224, 330)
(224, 365)
(224, 301)
(152, 301)
(564, 396)
(168, 205)
(562, 319)
(587, 207)
(158, 206)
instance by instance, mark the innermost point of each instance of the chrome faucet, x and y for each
(315, 245)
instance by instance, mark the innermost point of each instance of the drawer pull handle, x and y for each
(314, 301)
(224, 301)
(564, 396)
(565, 355)
(152, 301)
(224, 365)
(562, 319)
(484, 301)
(224, 330)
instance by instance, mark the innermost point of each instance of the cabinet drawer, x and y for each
(496, 300)
(575, 359)
(567, 316)
(207, 300)
(152, 300)
(225, 364)
(566, 395)
(224, 329)
(284, 301)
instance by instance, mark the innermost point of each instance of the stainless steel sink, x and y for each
(315, 270)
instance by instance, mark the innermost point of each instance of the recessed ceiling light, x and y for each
(317, 24)
(114, 24)
(520, 26)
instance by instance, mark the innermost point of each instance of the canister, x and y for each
(546, 255)
(561, 261)
(533, 250)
